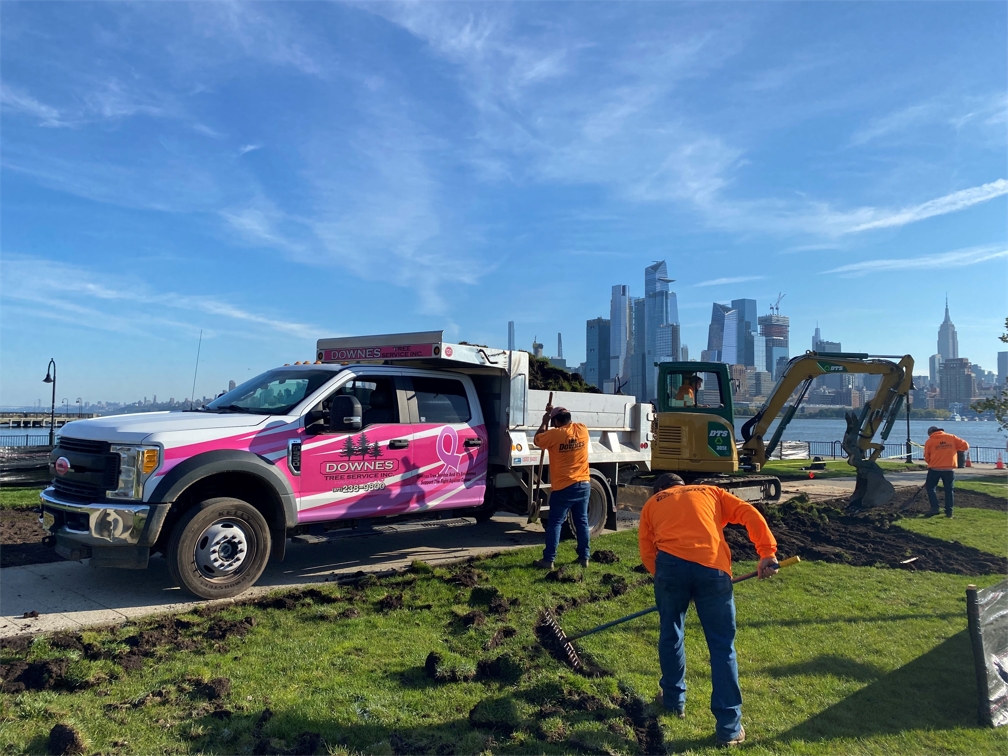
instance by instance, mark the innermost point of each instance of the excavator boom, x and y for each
(876, 416)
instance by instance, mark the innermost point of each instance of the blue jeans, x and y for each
(947, 478)
(573, 499)
(676, 582)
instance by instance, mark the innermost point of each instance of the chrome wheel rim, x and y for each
(223, 550)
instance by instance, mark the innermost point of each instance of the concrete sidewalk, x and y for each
(72, 595)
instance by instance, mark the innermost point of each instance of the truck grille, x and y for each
(83, 492)
(83, 446)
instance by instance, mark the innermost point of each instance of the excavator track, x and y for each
(747, 487)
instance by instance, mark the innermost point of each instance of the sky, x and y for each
(273, 173)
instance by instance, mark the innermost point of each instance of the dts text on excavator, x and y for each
(695, 426)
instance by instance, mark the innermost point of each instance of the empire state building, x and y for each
(948, 342)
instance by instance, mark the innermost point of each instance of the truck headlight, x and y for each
(136, 463)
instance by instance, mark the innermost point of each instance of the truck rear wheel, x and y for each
(219, 548)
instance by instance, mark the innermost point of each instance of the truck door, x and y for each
(367, 473)
(452, 446)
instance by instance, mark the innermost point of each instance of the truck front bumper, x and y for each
(103, 524)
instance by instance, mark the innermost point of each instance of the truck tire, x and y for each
(598, 510)
(219, 548)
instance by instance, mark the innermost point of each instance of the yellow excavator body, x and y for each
(695, 443)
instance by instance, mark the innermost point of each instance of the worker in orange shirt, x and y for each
(687, 393)
(567, 444)
(940, 453)
(682, 544)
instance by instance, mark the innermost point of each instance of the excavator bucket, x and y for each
(871, 489)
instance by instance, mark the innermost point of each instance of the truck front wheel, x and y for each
(219, 548)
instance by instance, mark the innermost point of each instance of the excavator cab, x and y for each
(695, 422)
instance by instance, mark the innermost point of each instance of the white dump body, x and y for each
(619, 428)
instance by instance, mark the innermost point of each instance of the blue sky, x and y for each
(275, 173)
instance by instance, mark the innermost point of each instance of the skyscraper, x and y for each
(619, 333)
(775, 329)
(559, 346)
(934, 368)
(729, 343)
(669, 349)
(597, 352)
(1002, 371)
(660, 308)
(511, 336)
(715, 331)
(948, 341)
(638, 350)
(957, 385)
(746, 329)
(816, 338)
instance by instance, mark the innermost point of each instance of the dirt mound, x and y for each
(501, 606)
(217, 688)
(221, 629)
(910, 500)
(475, 618)
(825, 532)
(647, 729)
(560, 575)
(505, 668)
(605, 556)
(64, 740)
(543, 376)
(16, 646)
(390, 602)
(466, 577)
(21, 537)
(617, 584)
(23, 676)
(499, 636)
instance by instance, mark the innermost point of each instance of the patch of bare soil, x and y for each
(21, 539)
(500, 635)
(827, 532)
(20, 676)
(911, 500)
(64, 740)
(605, 556)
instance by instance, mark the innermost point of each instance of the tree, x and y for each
(349, 447)
(362, 445)
(375, 450)
(998, 404)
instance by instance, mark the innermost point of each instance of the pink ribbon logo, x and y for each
(448, 447)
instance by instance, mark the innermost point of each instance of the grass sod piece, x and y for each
(833, 659)
(19, 498)
(791, 469)
(982, 529)
(988, 484)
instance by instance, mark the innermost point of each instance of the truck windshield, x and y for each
(275, 392)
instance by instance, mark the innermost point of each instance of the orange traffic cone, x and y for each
(968, 463)
(1000, 463)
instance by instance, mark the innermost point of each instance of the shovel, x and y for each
(534, 507)
(566, 643)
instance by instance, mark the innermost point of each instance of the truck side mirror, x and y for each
(344, 414)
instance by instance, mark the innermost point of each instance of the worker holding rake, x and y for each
(682, 544)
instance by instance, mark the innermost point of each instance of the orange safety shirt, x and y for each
(940, 450)
(568, 454)
(688, 522)
(685, 392)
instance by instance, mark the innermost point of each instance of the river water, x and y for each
(975, 433)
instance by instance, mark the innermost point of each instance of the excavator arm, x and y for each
(876, 416)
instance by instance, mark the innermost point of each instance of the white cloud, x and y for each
(246, 148)
(21, 102)
(950, 203)
(901, 120)
(941, 261)
(730, 280)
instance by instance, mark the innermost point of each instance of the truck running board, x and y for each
(401, 527)
(748, 487)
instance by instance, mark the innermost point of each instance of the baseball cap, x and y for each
(557, 410)
(667, 480)
(933, 429)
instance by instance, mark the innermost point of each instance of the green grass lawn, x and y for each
(833, 659)
(995, 485)
(791, 469)
(19, 498)
(983, 529)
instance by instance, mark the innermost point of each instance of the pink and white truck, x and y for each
(399, 426)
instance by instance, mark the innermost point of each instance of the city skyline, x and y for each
(273, 173)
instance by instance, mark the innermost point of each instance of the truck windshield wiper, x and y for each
(231, 408)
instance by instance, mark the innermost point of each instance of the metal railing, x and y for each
(28, 439)
(893, 451)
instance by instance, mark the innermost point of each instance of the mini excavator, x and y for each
(694, 430)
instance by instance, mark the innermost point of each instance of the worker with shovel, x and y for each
(941, 454)
(567, 444)
(682, 544)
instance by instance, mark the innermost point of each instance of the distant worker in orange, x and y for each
(682, 544)
(940, 453)
(690, 388)
(567, 444)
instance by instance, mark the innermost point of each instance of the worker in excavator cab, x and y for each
(687, 393)
(941, 454)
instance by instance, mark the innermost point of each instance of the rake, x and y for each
(566, 643)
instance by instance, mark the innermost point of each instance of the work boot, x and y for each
(948, 514)
(584, 562)
(737, 740)
(659, 701)
(542, 564)
(933, 513)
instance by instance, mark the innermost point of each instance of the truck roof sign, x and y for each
(424, 345)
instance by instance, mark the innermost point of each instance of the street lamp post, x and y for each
(51, 378)
(909, 448)
(80, 408)
(66, 408)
